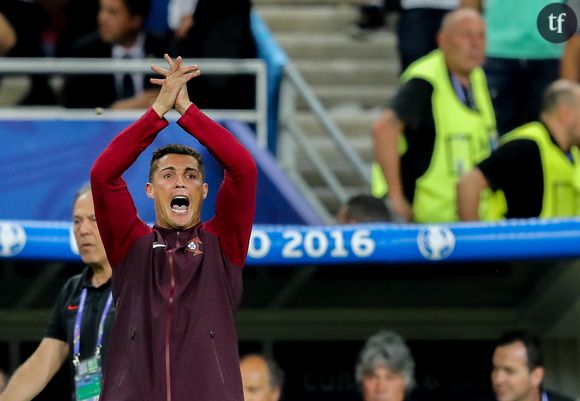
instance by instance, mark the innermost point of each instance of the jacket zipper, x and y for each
(217, 360)
(168, 324)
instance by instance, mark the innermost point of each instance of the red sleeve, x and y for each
(115, 211)
(236, 198)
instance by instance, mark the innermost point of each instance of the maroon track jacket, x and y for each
(175, 291)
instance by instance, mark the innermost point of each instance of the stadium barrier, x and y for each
(353, 244)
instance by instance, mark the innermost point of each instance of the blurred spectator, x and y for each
(571, 57)
(518, 369)
(120, 36)
(537, 166)
(7, 35)
(79, 18)
(417, 25)
(3, 380)
(385, 370)
(363, 209)
(262, 378)
(82, 317)
(215, 29)
(444, 112)
(520, 64)
(29, 20)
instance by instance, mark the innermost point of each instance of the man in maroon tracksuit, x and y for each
(177, 285)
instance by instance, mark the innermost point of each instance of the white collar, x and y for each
(136, 51)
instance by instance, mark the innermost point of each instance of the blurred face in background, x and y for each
(116, 24)
(91, 249)
(462, 40)
(256, 380)
(511, 378)
(383, 384)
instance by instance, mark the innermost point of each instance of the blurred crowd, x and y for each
(385, 371)
(485, 123)
(128, 29)
(483, 126)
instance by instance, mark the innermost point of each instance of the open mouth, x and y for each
(179, 204)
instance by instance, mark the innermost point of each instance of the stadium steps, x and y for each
(352, 77)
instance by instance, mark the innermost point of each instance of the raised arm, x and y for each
(115, 211)
(116, 215)
(35, 373)
(236, 197)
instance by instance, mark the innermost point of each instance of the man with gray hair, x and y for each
(536, 170)
(385, 370)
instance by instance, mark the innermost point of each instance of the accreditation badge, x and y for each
(88, 379)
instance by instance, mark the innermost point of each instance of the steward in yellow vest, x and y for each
(444, 111)
(536, 169)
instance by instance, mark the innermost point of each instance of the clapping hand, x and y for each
(173, 93)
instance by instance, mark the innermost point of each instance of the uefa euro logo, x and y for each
(12, 239)
(435, 242)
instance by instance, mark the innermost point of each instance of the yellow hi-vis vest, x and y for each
(463, 137)
(561, 176)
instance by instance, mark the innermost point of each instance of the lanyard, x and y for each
(77, 328)
(544, 396)
(462, 92)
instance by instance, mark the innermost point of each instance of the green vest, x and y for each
(561, 176)
(463, 137)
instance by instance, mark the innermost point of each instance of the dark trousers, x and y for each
(516, 88)
(417, 33)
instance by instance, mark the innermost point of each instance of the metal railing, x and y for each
(66, 66)
(294, 85)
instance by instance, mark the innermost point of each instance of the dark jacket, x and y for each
(99, 90)
(222, 29)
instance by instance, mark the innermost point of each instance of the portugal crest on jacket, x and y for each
(194, 246)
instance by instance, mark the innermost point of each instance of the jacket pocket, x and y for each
(211, 333)
(121, 374)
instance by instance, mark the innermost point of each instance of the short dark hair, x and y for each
(138, 7)
(531, 342)
(174, 149)
(365, 208)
